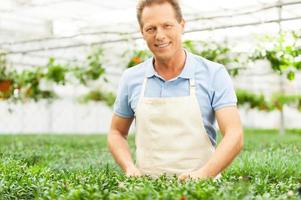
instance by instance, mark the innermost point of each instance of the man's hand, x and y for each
(231, 144)
(118, 144)
(198, 174)
(133, 171)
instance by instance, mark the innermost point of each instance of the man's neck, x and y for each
(171, 68)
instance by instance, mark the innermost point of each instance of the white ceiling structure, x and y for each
(40, 28)
(33, 30)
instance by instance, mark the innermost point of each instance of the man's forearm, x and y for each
(226, 151)
(120, 150)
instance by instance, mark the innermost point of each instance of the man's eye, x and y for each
(168, 26)
(149, 29)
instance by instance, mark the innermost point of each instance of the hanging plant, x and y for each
(92, 70)
(36, 83)
(7, 78)
(283, 53)
(55, 72)
(5, 89)
(27, 85)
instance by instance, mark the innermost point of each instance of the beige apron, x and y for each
(171, 137)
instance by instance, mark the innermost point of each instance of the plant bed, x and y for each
(80, 167)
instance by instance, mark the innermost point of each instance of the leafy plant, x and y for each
(253, 100)
(55, 72)
(7, 78)
(283, 53)
(137, 57)
(5, 72)
(219, 52)
(279, 100)
(98, 95)
(28, 85)
(260, 102)
(92, 70)
(81, 167)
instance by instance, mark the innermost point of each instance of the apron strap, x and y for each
(143, 87)
(192, 86)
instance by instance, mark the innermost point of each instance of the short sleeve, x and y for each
(122, 106)
(223, 90)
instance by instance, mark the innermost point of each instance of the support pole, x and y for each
(282, 77)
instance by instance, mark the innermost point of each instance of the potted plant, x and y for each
(6, 79)
(5, 89)
(30, 81)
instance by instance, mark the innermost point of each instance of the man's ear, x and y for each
(141, 31)
(183, 23)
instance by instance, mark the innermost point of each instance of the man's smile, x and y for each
(163, 45)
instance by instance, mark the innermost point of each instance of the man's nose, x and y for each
(160, 35)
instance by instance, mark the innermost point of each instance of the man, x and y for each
(174, 97)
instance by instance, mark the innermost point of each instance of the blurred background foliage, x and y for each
(283, 52)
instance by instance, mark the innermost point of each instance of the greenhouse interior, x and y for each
(61, 62)
(33, 32)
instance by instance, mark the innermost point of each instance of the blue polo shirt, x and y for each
(214, 88)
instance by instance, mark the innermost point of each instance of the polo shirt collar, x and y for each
(187, 72)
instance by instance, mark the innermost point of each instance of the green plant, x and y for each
(92, 69)
(28, 85)
(3, 73)
(137, 57)
(279, 100)
(6, 73)
(253, 100)
(219, 52)
(80, 167)
(282, 51)
(55, 72)
(260, 102)
(7, 78)
(98, 95)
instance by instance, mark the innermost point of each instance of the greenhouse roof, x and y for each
(37, 26)
(25, 19)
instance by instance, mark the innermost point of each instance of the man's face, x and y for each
(161, 30)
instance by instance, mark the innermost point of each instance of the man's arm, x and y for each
(118, 144)
(231, 144)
